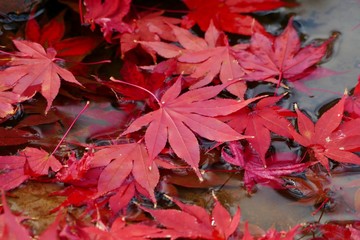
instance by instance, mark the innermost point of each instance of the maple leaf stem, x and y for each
(320, 207)
(221, 170)
(81, 12)
(71, 125)
(144, 89)
(89, 63)
(92, 63)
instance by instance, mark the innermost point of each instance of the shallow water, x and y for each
(318, 19)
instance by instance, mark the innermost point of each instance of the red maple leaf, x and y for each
(192, 221)
(259, 121)
(328, 138)
(51, 34)
(74, 169)
(7, 100)
(273, 234)
(120, 161)
(30, 162)
(122, 230)
(131, 74)
(333, 231)
(123, 196)
(355, 231)
(33, 69)
(278, 165)
(40, 161)
(148, 27)
(14, 136)
(108, 15)
(12, 171)
(281, 56)
(205, 58)
(10, 225)
(228, 15)
(77, 196)
(52, 232)
(179, 116)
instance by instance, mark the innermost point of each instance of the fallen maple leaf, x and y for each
(225, 14)
(120, 161)
(30, 162)
(179, 116)
(148, 27)
(131, 74)
(211, 56)
(120, 230)
(53, 230)
(12, 172)
(123, 196)
(51, 34)
(40, 161)
(32, 69)
(355, 231)
(278, 165)
(13, 136)
(273, 234)
(259, 121)
(323, 141)
(333, 231)
(195, 222)
(108, 15)
(352, 103)
(7, 99)
(76, 196)
(205, 58)
(75, 169)
(281, 56)
(10, 225)
(225, 225)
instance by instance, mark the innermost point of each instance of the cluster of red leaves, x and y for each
(185, 99)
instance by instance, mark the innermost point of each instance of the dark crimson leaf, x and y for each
(225, 14)
(131, 74)
(108, 15)
(15, 136)
(278, 165)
